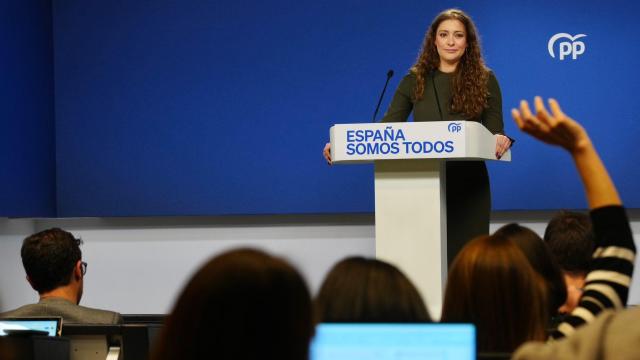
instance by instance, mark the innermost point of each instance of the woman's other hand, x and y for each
(503, 144)
(326, 152)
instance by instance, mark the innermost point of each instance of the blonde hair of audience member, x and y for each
(358, 289)
(243, 304)
(492, 285)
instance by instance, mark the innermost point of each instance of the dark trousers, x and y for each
(468, 204)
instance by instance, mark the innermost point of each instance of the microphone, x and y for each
(389, 75)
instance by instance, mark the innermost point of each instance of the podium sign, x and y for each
(410, 189)
(412, 140)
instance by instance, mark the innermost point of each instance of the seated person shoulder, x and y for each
(53, 262)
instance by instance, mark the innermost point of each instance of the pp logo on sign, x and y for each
(565, 48)
(455, 127)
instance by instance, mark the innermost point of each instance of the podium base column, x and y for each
(411, 224)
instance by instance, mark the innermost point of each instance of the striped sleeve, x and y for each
(607, 283)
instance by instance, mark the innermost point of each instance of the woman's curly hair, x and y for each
(469, 84)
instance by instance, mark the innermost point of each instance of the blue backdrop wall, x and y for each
(203, 108)
(27, 143)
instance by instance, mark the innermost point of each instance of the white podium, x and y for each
(410, 194)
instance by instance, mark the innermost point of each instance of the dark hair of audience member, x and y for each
(358, 289)
(541, 260)
(49, 257)
(492, 285)
(570, 238)
(243, 304)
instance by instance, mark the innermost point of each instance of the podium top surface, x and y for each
(367, 142)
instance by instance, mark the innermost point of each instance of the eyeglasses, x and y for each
(84, 267)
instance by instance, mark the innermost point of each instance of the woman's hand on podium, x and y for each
(327, 153)
(503, 144)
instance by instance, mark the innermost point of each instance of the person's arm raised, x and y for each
(558, 129)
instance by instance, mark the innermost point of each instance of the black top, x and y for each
(427, 109)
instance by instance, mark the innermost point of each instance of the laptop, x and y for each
(50, 326)
(365, 341)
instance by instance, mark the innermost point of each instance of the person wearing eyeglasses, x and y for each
(53, 263)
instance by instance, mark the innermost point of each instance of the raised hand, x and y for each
(560, 130)
(555, 128)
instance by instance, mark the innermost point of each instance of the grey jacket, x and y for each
(612, 335)
(70, 312)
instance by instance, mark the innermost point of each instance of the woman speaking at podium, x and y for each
(450, 81)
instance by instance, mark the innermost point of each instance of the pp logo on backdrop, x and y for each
(565, 48)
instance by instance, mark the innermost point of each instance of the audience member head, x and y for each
(492, 285)
(358, 289)
(52, 260)
(243, 304)
(570, 238)
(541, 260)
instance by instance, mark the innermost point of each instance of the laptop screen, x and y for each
(335, 341)
(51, 325)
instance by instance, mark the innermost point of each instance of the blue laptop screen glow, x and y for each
(51, 326)
(394, 342)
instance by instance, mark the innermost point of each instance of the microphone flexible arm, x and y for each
(375, 113)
